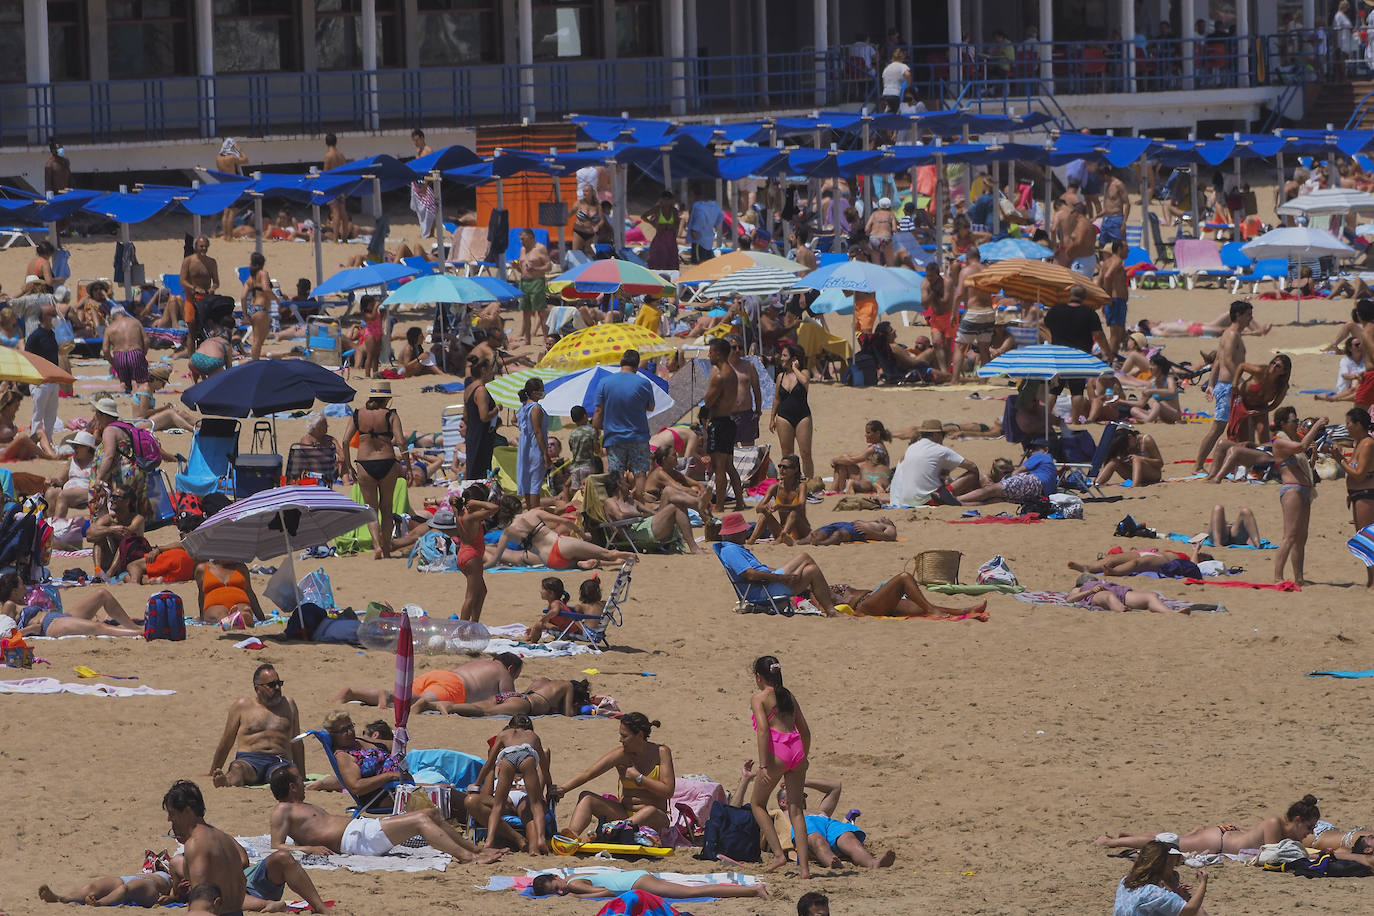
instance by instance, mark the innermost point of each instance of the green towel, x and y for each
(974, 589)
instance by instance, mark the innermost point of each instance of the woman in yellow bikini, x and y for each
(1298, 822)
(788, 497)
(647, 781)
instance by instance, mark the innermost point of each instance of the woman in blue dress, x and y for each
(531, 459)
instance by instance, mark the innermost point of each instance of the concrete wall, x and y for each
(1141, 113)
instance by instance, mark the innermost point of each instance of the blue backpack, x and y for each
(731, 832)
(165, 618)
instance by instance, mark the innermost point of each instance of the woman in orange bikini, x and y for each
(784, 743)
(225, 590)
(472, 511)
(537, 532)
(1297, 823)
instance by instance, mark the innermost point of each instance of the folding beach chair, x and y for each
(1077, 475)
(1199, 259)
(160, 499)
(450, 425)
(752, 597)
(592, 627)
(751, 463)
(210, 467)
(312, 462)
(256, 472)
(378, 802)
(611, 533)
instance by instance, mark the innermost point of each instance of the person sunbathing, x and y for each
(1182, 328)
(1168, 563)
(1299, 821)
(77, 618)
(615, 883)
(1243, 531)
(543, 697)
(311, 829)
(859, 532)
(473, 681)
(1113, 597)
(900, 596)
(160, 882)
(801, 574)
(539, 531)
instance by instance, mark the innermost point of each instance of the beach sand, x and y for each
(988, 755)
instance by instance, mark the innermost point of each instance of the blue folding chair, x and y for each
(378, 802)
(210, 467)
(1275, 269)
(172, 283)
(767, 597)
(513, 241)
(160, 498)
(1233, 257)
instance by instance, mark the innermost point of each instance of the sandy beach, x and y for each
(987, 755)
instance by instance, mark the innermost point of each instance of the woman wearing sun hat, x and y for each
(1152, 888)
(378, 428)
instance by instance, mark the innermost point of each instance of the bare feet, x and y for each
(45, 894)
(588, 564)
(886, 861)
(777, 863)
(92, 900)
(1077, 567)
(761, 891)
(219, 779)
(487, 856)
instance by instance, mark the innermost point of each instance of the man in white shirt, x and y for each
(920, 478)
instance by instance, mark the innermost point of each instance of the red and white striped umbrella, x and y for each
(405, 678)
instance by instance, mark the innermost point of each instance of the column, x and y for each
(677, 53)
(525, 25)
(955, 9)
(310, 58)
(889, 17)
(98, 39)
(606, 14)
(1046, 48)
(410, 19)
(369, 27)
(1242, 43)
(1309, 15)
(820, 38)
(1186, 20)
(836, 39)
(906, 23)
(689, 33)
(1128, 36)
(205, 62)
(761, 48)
(38, 69)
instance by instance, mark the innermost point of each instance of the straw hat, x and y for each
(733, 523)
(931, 426)
(380, 389)
(160, 371)
(1139, 339)
(106, 406)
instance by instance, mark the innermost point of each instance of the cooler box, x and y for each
(324, 342)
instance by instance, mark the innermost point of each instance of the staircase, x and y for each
(1336, 102)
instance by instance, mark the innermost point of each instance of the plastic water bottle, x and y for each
(852, 815)
(429, 636)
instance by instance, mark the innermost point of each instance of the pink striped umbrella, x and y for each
(405, 677)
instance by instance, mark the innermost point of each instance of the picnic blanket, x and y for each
(1062, 599)
(521, 883)
(1265, 543)
(510, 638)
(53, 685)
(400, 858)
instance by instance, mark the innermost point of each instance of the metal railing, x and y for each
(1028, 74)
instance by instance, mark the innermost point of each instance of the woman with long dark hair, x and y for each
(784, 744)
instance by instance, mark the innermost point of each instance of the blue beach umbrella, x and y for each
(1043, 362)
(562, 394)
(1005, 249)
(267, 386)
(440, 288)
(363, 277)
(860, 277)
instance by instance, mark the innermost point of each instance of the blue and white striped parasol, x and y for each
(1043, 362)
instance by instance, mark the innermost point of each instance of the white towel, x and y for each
(53, 685)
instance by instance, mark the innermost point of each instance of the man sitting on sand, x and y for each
(314, 830)
(264, 724)
(471, 682)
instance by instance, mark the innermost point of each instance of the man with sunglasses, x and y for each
(263, 725)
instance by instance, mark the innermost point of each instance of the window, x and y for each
(458, 32)
(339, 36)
(12, 61)
(564, 28)
(255, 36)
(637, 29)
(68, 56)
(149, 38)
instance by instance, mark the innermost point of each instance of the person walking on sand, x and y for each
(1230, 354)
(623, 404)
(126, 349)
(722, 394)
(784, 744)
(379, 431)
(534, 266)
(263, 725)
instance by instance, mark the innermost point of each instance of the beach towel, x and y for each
(400, 858)
(998, 520)
(543, 650)
(1287, 585)
(1265, 543)
(1362, 545)
(1350, 675)
(978, 589)
(642, 903)
(53, 685)
(1062, 599)
(522, 882)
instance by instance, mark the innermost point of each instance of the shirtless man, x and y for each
(803, 254)
(1116, 208)
(749, 399)
(980, 316)
(338, 207)
(199, 278)
(264, 725)
(1364, 390)
(722, 394)
(472, 682)
(126, 348)
(1230, 354)
(1111, 276)
(534, 267)
(829, 839)
(1082, 243)
(231, 160)
(212, 856)
(1061, 225)
(313, 830)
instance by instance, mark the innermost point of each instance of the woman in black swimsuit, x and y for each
(479, 410)
(379, 429)
(791, 418)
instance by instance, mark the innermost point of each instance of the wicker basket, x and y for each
(936, 567)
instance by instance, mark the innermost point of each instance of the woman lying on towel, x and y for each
(78, 618)
(615, 883)
(900, 596)
(543, 697)
(541, 543)
(1168, 563)
(1298, 822)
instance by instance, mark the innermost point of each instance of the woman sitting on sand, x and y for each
(543, 697)
(900, 596)
(1297, 823)
(1162, 405)
(535, 539)
(19, 444)
(1152, 888)
(1134, 456)
(868, 471)
(225, 592)
(146, 411)
(786, 497)
(647, 781)
(77, 618)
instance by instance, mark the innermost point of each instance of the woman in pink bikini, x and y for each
(784, 741)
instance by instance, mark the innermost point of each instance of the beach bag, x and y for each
(436, 551)
(1066, 505)
(731, 832)
(315, 588)
(996, 572)
(858, 503)
(165, 617)
(142, 447)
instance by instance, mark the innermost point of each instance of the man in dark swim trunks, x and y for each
(721, 396)
(264, 725)
(853, 533)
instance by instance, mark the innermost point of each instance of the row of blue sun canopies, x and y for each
(665, 150)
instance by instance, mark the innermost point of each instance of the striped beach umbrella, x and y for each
(583, 387)
(859, 277)
(1037, 281)
(1362, 545)
(505, 389)
(1043, 362)
(611, 275)
(440, 288)
(726, 264)
(276, 522)
(752, 281)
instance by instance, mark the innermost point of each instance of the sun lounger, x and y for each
(1265, 269)
(1199, 259)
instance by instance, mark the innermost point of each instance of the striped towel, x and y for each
(1362, 545)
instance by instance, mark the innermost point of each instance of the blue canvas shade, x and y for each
(267, 386)
(363, 277)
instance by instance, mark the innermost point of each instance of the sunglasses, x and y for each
(343, 728)
(277, 684)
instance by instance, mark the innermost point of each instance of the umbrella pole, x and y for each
(438, 182)
(319, 250)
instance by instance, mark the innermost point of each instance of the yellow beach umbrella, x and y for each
(604, 344)
(21, 366)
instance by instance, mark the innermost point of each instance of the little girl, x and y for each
(555, 598)
(517, 750)
(788, 497)
(589, 600)
(368, 337)
(784, 743)
(75, 490)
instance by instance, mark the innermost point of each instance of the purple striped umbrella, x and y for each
(276, 522)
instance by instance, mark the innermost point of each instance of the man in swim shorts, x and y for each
(472, 682)
(722, 393)
(126, 348)
(827, 838)
(313, 830)
(263, 725)
(1230, 354)
(1364, 391)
